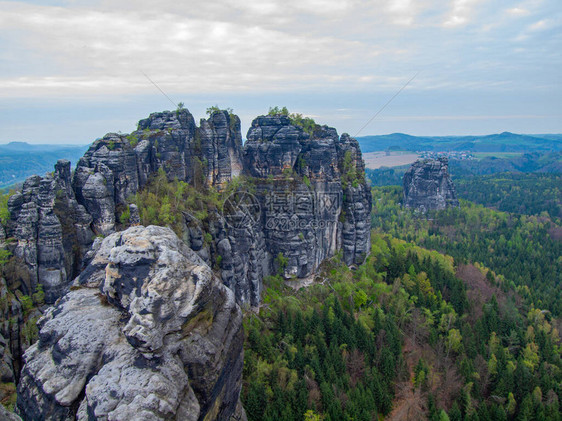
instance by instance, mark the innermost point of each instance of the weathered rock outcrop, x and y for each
(6, 415)
(116, 166)
(149, 333)
(52, 231)
(55, 217)
(428, 186)
(356, 206)
(11, 321)
(310, 187)
(239, 250)
(312, 191)
(221, 144)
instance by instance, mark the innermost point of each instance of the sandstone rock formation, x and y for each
(238, 249)
(310, 187)
(221, 147)
(428, 186)
(147, 333)
(117, 166)
(11, 321)
(312, 190)
(55, 218)
(52, 231)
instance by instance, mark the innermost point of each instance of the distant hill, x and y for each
(502, 142)
(550, 162)
(19, 160)
(536, 162)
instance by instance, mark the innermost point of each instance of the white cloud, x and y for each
(541, 25)
(349, 52)
(256, 45)
(518, 11)
(402, 11)
(461, 13)
(99, 49)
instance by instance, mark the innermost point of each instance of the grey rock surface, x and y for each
(135, 216)
(356, 206)
(149, 333)
(116, 166)
(11, 322)
(221, 147)
(51, 231)
(428, 186)
(309, 208)
(55, 218)
(6, 415)
(245, 262)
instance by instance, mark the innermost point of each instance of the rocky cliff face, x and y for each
(8, 416)
(116, 166)
(244, 260)
(428, 186)
(356, 206)
(51, 229)
(310, 188)
(312, 193)
(11, 322)
(55, 218)
(148, 333)
(221, 144)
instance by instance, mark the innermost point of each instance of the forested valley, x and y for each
(454, 316)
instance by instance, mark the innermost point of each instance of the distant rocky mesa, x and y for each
(428, 186)
(311, 188)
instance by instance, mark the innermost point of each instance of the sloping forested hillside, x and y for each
(471, 334)
(529, 194)
(408, 335)
(526, 250)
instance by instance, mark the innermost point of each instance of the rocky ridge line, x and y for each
(56, 217)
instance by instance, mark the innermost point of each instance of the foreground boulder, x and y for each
(428, 186)
(146, 333)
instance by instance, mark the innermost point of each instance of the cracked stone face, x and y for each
(147, 332)
(428, 186)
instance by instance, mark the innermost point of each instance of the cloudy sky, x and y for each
(72, 70)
